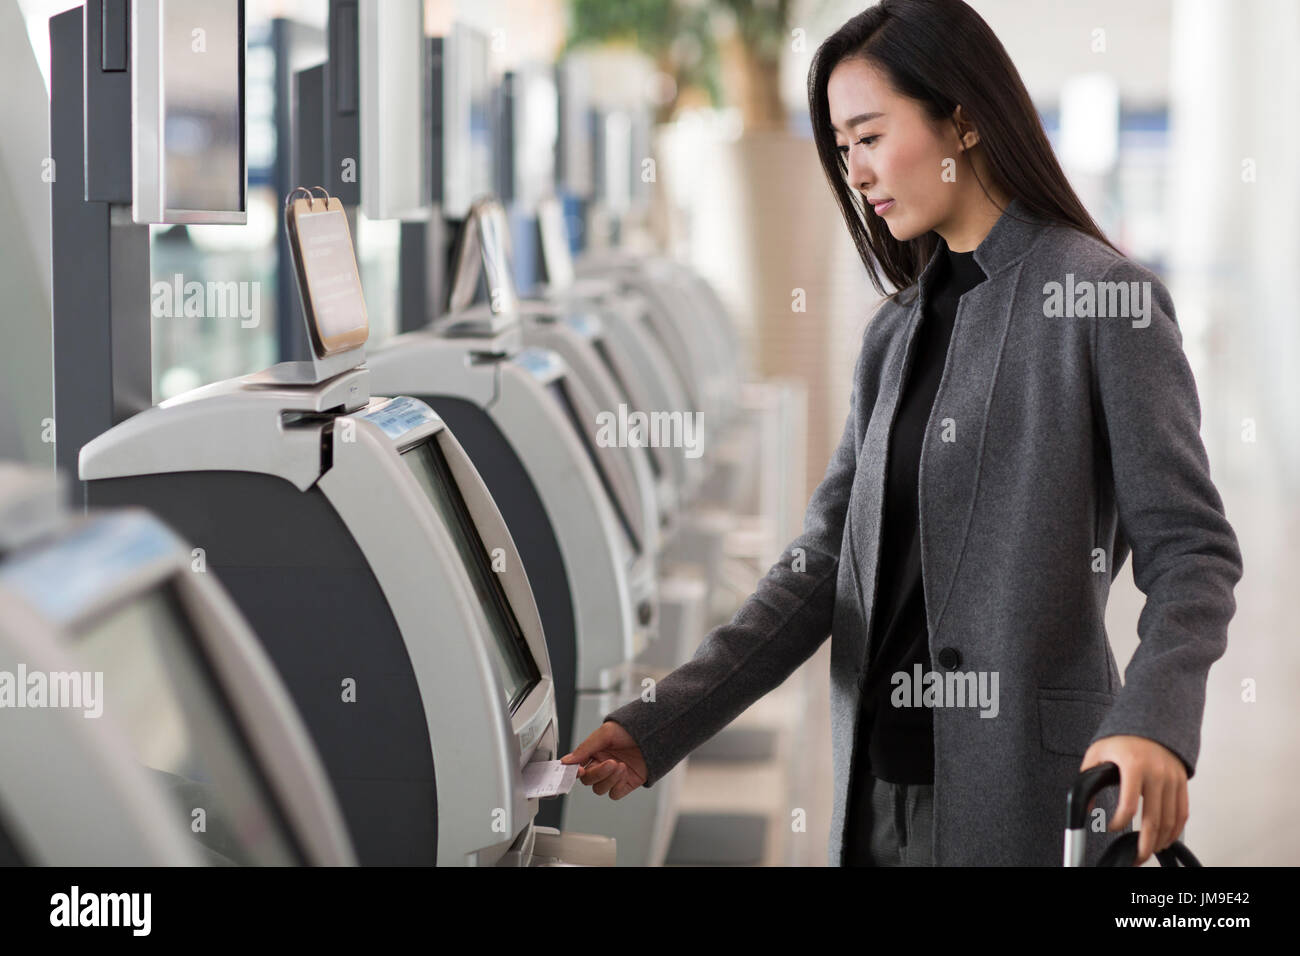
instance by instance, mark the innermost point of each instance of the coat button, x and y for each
(949, 658)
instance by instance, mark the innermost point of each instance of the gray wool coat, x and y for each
(1065, 434)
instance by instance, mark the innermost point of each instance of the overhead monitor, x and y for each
(534, 130)
(616, 160)
(465, 125)
(556, 251)
(188, 149)
(574, 154)
(391, 66)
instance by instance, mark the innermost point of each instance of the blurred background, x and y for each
(1175, 120)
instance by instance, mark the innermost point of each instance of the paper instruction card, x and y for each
(548, 778)
(331, 271)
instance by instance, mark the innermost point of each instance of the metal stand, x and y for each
(100, 272)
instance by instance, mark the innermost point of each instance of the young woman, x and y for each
(1022, 417)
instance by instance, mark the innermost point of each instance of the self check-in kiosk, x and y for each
(647, 372)
(580, 339)
(143, 724)
(745, 503)
(598, 488)
(359, 541)
(351, 530)
(528, 425)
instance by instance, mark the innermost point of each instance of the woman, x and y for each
(1022, 416)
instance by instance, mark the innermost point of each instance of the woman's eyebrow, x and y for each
(860, 118)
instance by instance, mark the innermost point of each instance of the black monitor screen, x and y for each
(561, 395)
(610, 367)
(160, 691)
(514, 658)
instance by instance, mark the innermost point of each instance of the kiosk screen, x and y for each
(517, 667)
(160, 692)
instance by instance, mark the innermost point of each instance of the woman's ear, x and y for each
(967, 135)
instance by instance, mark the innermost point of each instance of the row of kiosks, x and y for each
(144, 724)
(625, 544)
(744, 499)
(584, 513)
(751, 500)
(352, 532)
(522, 386)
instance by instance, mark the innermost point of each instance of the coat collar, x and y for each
(1009, 241)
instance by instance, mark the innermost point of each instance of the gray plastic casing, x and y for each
(107, 811)
(479, 746)
(608, 582)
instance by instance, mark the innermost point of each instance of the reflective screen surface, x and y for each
(510, 649)
(203, 123)
(610, 366)
(561, 396)
(162, 695)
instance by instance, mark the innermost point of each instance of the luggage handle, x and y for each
(1123, 851)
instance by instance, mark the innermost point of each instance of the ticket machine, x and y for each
(360, 542)
(524, 419)
(351, 530)
(148, 726)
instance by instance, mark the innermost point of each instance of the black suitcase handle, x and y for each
(1123, 851)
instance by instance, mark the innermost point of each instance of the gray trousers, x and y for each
(892, 824)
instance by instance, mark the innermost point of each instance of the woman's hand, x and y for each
(1158, 774)
(616, 766)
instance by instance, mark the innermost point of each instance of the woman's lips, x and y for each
(884, 207)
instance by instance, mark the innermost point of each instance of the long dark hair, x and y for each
(941, 53)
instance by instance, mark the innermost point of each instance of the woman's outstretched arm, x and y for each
(775, 630)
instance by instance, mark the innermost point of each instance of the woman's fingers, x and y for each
(625, 786)
(1130, 787)
(1169, 816)
(608, 782)
(597, 740)
(603, 773)
(597, 771)
(1153, 807)
(1183, 811)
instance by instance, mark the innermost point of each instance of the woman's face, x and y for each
(894, 152)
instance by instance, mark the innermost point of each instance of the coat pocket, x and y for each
(1068, 718)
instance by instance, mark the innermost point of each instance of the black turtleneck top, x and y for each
(900, 740)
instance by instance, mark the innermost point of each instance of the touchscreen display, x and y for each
(557, 389)
(510, 648)
(160, 692)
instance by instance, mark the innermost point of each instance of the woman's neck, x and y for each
(972, 221)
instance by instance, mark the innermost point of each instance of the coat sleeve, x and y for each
(775, 630)
(1186, 559)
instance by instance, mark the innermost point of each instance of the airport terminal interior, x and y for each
(391, 390)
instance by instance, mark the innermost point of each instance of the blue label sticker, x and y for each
(401, 415)
(542, 364)
(65, 578)
(585, 324)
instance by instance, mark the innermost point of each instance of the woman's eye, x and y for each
(866, 141)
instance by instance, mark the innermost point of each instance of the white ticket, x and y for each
(548, 778)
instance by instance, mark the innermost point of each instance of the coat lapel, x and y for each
(949, 470)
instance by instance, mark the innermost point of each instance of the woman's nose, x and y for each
(858, 168)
